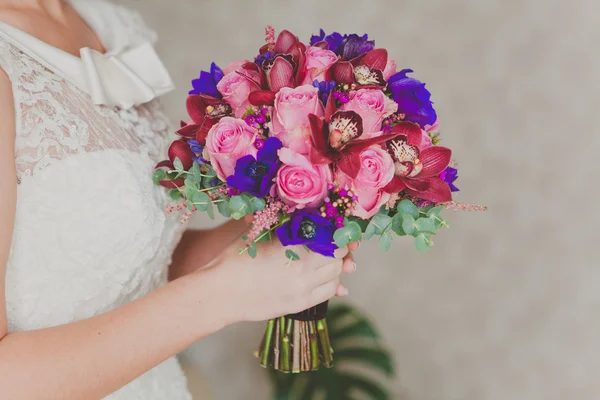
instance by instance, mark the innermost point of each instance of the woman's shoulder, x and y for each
(117, 24)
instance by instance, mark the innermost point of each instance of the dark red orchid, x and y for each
(178, 149)
(417, 172)
(337, 141)
(284, 69)
(365, 70)
(205, 111)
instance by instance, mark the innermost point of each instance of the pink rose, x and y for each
(228, 141)
(377, 170)
(373, 106)
(390, 69)
(235, 90)
(235, 66)
(318, 62)
(299, 183)
(425, 141)
(433, 128)
(290, 117)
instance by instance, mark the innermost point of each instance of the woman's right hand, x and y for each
(269, 286)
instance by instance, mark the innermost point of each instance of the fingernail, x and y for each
(354, 267)
(345, 291)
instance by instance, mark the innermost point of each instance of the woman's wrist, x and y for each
(216, 299)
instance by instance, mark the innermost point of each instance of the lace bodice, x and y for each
(91, 233)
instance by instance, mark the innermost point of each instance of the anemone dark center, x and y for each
(308, 229)
(258, 169)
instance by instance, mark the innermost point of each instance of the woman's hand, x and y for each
(270, 285)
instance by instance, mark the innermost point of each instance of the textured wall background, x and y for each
(506, 305)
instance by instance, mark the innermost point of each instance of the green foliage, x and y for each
(356, 342)
(405, 219)
(351, 232)
(292, 255)
(159, 175)
(178, 165)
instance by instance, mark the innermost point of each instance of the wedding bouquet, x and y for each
(323, 144)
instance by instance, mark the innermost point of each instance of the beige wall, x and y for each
(506, 306)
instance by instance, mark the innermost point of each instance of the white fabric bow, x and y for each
(131, 77)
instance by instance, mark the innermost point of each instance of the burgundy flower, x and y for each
(205, 111)
(337, 141)
(365, 70)
(178, 149)
(284, 68)
(417, 172)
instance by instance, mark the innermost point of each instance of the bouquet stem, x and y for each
(297, 343)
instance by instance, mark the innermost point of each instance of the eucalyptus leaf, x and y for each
(369, 232)
(159, 175)
(425, 224)
(422, 242)
(292, 255)
(190, 182)
(223, 208)
(253, 250)
(341, 237)
(385, 241)
(175, 194)
(239, 204)
(407, 207)
(178, 165)
(258, 204)
(408, 224)
(348, 234)
(435, 211)
(248, 202)
(397, 225)
(237, 215)
(210, 210)
(195, 171)
(379, 223)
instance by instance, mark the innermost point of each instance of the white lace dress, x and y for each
(91, 233)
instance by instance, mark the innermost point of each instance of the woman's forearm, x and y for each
(90, 359)
(197, 248)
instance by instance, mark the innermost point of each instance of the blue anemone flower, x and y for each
(413, 99)
(255, 175)
(308, 228)
(207, 82)
(450, 175)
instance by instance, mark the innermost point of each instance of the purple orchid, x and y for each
(207, 82)
(255, 175)
(412, 98)
(308, 228)
(449, 175)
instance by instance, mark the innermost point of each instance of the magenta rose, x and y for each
(235, 89)
(377, 170)
(290, 117)
(318, 61)
(299, 183)
(373, 106)
(228, 141)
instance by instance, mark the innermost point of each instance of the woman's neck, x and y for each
(54, 8)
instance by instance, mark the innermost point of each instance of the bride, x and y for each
(86, 248)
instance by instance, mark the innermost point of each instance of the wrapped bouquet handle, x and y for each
(324, 144)
(298, 342)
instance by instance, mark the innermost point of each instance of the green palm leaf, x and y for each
(356, 343)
